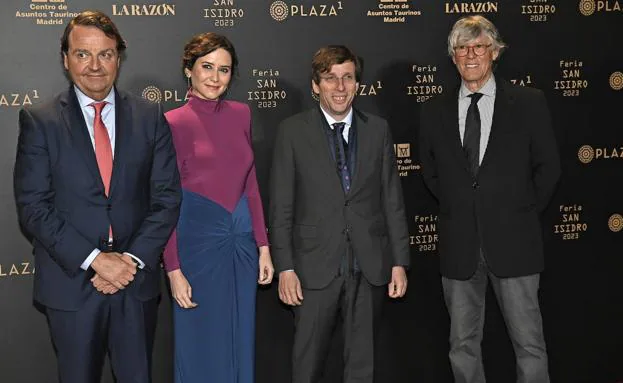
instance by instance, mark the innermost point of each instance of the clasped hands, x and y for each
(113, 272)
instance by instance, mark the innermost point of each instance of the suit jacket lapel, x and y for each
(75, 124)
(123, 130)
(450, 116)
(502, 120)
(317, 139)
(362, 144)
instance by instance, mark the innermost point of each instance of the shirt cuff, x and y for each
(87, 262)
(139, 263)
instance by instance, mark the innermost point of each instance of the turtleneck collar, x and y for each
(202, 105)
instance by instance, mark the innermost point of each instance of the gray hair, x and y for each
(471, 27)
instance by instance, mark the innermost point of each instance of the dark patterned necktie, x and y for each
(471, 138)
(340, 155)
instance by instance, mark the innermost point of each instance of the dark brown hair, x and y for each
(206, 43)
(331, 55)
(95, 19)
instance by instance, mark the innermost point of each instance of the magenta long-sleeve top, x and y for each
(215, 159)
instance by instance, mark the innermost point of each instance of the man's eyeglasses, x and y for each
(348, 79)
(478, 49)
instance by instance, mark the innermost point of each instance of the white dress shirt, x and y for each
(485, 107)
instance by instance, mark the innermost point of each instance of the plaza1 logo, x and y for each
(162, 9)
(267, 92)
(423, 86)
(589, 7)
(615, 222)
(472, 7)
(394, 11)
(223, 13)
(522, 81)
(616, 80)
(571, 224)
(538, 11)
(46, 12)
(18, 99)
(404, 161)
(426, 238)
(571, 83)
(281, 11)
(370, 89)
(588, 154)
(16, 269)
(153, 94)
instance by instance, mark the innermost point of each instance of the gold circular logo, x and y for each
(279, 10)
(586, 154)
(152, 94)
(587, 7)
(615, 222)
(616, 81)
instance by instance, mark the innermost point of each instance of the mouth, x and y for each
(339, 99)
(471, 66)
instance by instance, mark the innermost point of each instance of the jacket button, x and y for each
(109, 207)
(346, 202)
(475, 185)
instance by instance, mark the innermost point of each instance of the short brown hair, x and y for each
(95, 19)
(206, 43)
(331, 55)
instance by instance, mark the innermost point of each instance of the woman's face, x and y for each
(211, 74)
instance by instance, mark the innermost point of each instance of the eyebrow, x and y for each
(211, 63)
(80, 50)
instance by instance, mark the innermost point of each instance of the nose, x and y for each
(470, 52)
(340, 83)
(94, 64)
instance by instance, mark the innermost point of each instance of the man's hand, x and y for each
(398, 285)
(102, 285)
(115, 268)
(290, 291)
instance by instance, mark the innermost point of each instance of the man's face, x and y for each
(475, 70)
(92, 61)
(337, 89)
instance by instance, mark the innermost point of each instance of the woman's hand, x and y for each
(180, 289)
(266, 267)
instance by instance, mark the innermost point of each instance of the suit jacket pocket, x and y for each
(304, 238)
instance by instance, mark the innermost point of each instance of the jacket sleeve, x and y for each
(282, 192)
(393, 203)
(34, 196)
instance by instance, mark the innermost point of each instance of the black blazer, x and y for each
(311, 216)
(61, 201)
(499, 209)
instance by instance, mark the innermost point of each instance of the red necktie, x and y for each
(103, 149)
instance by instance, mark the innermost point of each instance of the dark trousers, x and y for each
(518, 300)
(359, 304)
(118, 324)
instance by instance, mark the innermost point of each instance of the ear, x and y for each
(315, 87)
(187, 72)
(65, 61)
(453, 59)
(494, 54)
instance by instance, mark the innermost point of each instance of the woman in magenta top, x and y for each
(212, 259)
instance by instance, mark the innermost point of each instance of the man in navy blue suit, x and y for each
(97, 189)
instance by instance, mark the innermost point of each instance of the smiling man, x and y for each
(337, 221)
(489, 156)
(97, 188)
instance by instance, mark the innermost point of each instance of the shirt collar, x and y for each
(488, 89)
(348, 120)
(85, 100)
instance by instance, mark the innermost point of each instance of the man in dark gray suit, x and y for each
(489, 156)
(337, 220)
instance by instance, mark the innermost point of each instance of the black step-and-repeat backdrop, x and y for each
(571, 49)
